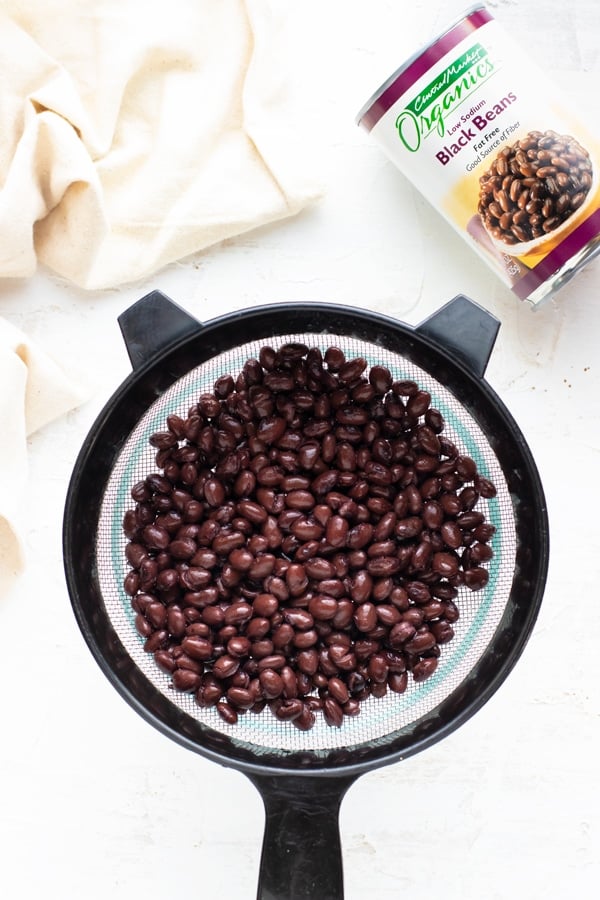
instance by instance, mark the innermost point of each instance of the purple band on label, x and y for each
(415, 70)
(566, 250)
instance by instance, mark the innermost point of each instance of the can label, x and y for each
(484, 135)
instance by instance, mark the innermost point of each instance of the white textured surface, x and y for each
(95, 803)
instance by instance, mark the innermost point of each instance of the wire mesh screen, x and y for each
(480, 611)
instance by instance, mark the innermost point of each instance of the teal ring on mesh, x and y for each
(469, 446)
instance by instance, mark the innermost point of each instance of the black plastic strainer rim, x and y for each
(95, 458)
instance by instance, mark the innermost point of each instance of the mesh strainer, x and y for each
(302, 776)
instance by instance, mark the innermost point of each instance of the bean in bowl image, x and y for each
(533, 189)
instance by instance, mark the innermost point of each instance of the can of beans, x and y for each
(481, 131)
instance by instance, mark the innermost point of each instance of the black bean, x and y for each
(332, 712)
(323, 607)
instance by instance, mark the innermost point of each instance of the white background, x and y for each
(96, 804)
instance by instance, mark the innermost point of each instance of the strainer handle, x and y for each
(465, 329)
(301, 855)
(152, 324)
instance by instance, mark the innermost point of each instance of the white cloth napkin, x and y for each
(136, 132)
(33, 391)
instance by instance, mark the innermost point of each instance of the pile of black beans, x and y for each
(303, 538)
(533, 186)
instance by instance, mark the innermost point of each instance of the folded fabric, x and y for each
(33, 391)
(136, 133)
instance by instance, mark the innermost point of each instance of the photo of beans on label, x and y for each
(303, 539)
(534, 186)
